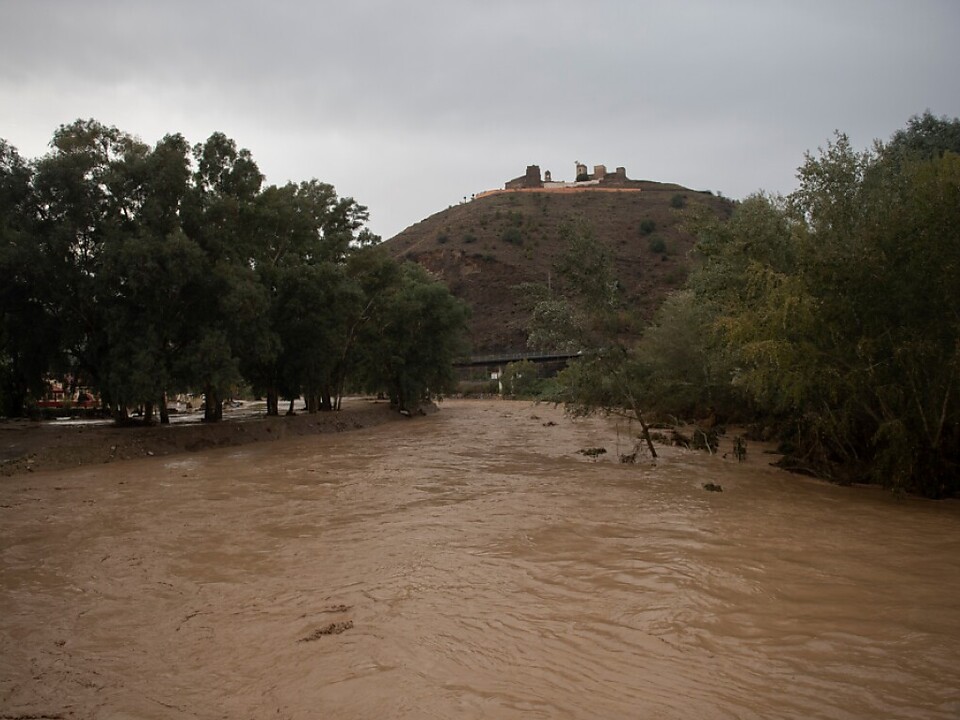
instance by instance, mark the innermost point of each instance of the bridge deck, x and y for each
(506, 358)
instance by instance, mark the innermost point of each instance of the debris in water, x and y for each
(336, 608)
(713, 487)
(331, 629)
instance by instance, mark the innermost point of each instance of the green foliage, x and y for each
(416, 330)
(647, 226)
(607, 379)
(678, 369)
(512, 235)
(586, 305)
(836, 303)
(30, 336)
(830, 313)
(586, 269)
(678, 201)
(520, 379)
(926, 137)
(657, 245)
(685, 371)
(144, 271)
(554, 326)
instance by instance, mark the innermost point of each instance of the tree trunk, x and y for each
(273, 402)
(164, 413)
(338, 394)
(290, 409)
(148, 413)
(212, 406)
(643, 427)
(16, 403)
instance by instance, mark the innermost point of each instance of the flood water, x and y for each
(472, 565)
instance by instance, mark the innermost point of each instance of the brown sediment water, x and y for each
(472, 565)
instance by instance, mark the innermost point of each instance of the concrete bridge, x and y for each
(485, 368)
(503, 359)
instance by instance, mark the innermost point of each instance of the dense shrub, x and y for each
(513, 236)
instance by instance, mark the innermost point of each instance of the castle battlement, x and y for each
(531, 179)
(599, 180)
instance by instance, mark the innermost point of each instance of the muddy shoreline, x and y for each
(30, 446)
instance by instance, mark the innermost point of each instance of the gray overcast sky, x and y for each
(409, 106)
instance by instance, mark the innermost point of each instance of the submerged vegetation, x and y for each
(140, 271)
(830, 317)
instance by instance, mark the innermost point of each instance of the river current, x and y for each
(472, 564)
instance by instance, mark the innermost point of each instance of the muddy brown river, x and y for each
(472, 564)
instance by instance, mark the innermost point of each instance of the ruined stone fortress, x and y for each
(599, 179)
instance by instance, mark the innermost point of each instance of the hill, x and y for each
(483, 249)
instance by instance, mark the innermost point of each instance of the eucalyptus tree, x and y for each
(29, 331)
(142, 270)
(415, 333)
(217, 214)
(80, 203)
(304, 235)
(151, 279)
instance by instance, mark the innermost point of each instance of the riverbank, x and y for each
(29, 446)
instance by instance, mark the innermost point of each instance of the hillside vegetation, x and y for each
(486, 249)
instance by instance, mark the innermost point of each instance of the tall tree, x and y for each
(218, 214)
(607, 377)
(304, 233)
(30, 335)
(83, 202)
(409, 347)
(150, 274)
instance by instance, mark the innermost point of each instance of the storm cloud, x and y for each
(410, 107)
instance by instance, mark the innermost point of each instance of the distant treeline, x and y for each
(142, 271)
(829, 318)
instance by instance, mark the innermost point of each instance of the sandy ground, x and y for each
(29, 446)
